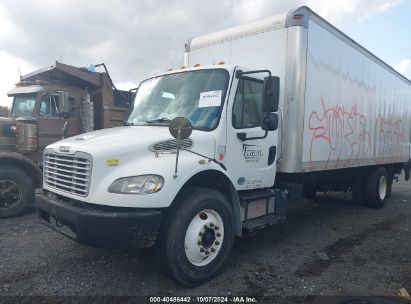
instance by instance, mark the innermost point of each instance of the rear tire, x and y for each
(197, 236)
(377, 187)
(16, 192)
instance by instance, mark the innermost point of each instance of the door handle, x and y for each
(271, 154)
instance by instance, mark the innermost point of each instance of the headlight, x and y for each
(143, 184)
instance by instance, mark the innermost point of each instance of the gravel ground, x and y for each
(369, 254)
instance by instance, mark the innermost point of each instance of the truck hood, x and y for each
(123, 140)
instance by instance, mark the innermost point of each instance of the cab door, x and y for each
(250, 157)
(51, 122)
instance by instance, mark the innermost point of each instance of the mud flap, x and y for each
(281, 200)
(407, 169)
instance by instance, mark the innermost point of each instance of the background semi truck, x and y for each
(273, 109)
(50, 104)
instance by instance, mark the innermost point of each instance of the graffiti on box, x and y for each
(342, 133)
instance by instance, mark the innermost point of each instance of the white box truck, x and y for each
(284, 106)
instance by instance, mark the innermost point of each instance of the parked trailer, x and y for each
(262, 112)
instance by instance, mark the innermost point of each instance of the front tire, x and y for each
(197, 236)
(16, 192)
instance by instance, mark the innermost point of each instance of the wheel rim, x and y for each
(10, 194)
(204, 237)
(382, 188)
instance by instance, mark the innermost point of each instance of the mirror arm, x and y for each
(64, 130)
(243, 136)
(208, 158)
(178, 151)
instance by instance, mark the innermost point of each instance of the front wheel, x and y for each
(197, 236)
(16, 191)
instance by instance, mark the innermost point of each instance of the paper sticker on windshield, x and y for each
(210, 99)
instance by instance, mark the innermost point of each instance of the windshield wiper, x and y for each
(159, 120)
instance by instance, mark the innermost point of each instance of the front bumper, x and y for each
(99, 226)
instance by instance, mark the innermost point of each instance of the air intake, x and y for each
(170, 145)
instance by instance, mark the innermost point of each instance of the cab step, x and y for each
(262, 208)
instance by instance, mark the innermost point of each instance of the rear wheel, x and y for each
(377, 187)
(16, 192)
(197, 236)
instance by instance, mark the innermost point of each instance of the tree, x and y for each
(4, 111)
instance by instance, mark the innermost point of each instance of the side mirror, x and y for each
(180, 128)
(270, 122)
(271, 94)
(63, 102)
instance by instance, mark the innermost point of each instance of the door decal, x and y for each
(252, 153)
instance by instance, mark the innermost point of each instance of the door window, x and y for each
(247, 108)
(50, 106)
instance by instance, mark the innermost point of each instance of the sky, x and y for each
(138, 38)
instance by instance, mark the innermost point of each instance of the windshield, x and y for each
(23, 105)
(196, 95)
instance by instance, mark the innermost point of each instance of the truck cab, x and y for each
(129, 186)
(40, 106)
(48, 105)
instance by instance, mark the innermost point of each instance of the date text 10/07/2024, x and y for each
(204, 299)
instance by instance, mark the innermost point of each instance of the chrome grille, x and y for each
(68, 173)
(171, 144)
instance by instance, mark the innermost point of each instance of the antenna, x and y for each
(19, 72)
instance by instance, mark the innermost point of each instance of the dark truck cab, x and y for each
(50, 104)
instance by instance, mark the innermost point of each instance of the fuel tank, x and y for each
(26, 134)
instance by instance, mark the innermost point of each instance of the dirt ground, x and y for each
(369, 253)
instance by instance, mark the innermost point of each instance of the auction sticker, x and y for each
(210, 99)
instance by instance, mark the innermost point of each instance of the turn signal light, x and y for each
(221, 62)
(196, 65)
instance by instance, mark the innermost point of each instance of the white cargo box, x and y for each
(341, 106)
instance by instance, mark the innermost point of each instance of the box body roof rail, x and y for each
(295, 17)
